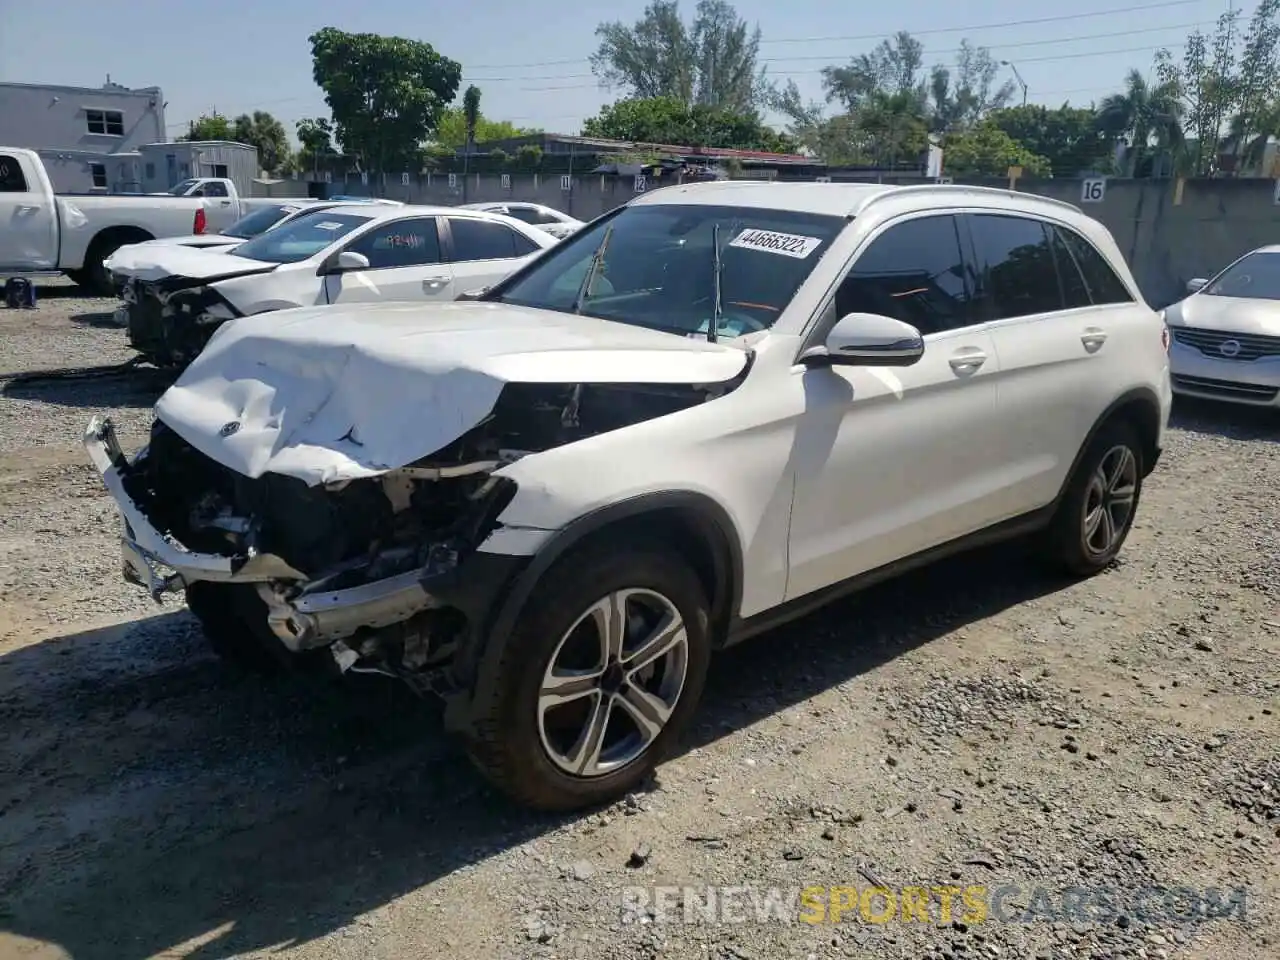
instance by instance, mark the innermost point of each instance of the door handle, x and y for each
(967, 361)
(225, 203)
(432, 284)
(1093, 338)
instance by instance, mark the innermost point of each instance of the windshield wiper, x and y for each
(716, 307)
(597, 258)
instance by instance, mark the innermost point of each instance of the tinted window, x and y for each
(11, 178)
(531, 215)
(1256, 277)
(261, 220)
(1017, 276)
(99, 172)
(1075, 292)
(1104, 285)
(180, 189)
(215, 190)
(401, 243)
(913, 272)
(656, 264)
(481, 240)
(301, 238)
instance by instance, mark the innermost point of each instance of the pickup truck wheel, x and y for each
(226, 613)
(1101, 500)
(598, 680)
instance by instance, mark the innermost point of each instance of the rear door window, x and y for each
(401, 243)
(1017, 276)
(483, 240)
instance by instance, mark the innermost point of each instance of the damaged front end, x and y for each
(386, 570)
(171, 320)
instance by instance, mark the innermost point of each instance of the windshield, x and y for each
(260, 221)
(657, 269)
(178, 189)
(301, 237)
(1255, 277)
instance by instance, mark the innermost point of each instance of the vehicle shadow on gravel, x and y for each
(151, 798)
(102, 319)
(1229, 420)
(97, 388)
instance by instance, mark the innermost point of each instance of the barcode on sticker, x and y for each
(787, 244)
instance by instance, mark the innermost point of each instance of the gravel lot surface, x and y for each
(970, 725)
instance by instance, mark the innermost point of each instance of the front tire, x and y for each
(597, 681)
(229, 616)
(1097, 511)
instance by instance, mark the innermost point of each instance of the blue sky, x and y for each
(530, 59)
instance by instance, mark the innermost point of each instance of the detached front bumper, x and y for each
(302, 614)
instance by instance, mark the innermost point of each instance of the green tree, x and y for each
(987, 151)
(1206, 84)
(668, 120)
(1067, 137)
(265, 132)
(713, 61)
(209, 126)
(315, 134)
(1143, 114)
(1259, 78)
(386, 93)
(451, 130)
(892, 69)
(963, 96)
(471, 114)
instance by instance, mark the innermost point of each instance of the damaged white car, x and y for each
(353, 253)
(713, 410)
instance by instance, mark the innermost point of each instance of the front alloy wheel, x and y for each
(1109, 501)
(613, 682)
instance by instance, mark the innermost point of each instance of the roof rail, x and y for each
(935, 188)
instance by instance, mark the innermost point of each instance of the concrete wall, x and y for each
(1169, 235)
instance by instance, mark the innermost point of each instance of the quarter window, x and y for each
(11, 178)
(1104, 285)
(1017, 275)
(482, 240)
(105, 122)
(1075, 292)
(914, 272)
(404, 243)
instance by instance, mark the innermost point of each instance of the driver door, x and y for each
(404, 264)
(899, 459)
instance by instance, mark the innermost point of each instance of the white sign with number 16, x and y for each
(1093, 191)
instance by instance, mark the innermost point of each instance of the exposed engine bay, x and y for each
(388, 544)
(171, 320)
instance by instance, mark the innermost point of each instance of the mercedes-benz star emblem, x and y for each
(1230, 348)
(229, 428)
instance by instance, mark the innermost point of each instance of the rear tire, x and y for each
(233, 619)
(1100, 503)
(569, 749)
(79, 277)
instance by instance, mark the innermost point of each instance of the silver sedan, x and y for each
(1226, 335)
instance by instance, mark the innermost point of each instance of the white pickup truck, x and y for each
(224, 204)
(43, 231)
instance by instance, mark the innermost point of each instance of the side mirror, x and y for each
(346, 261)
(868, 340)
(1194, 286)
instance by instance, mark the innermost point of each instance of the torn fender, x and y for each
(154, 263)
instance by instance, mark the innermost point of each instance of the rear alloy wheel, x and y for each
(1101, 500)
(597, 681)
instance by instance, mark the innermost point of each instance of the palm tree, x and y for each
(1248, 136)
(1143, 114)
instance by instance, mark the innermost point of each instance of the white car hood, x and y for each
(333, 393)
(149, 263)
(1227, 314)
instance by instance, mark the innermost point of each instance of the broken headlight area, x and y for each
(169, 325)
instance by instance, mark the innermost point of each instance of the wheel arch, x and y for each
(694, 524)
(1139, 407)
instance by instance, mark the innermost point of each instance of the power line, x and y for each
(1035, 21)
(839, 56)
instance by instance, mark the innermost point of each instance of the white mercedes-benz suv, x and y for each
(709, 411)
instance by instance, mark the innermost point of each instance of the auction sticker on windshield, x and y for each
(787, 244)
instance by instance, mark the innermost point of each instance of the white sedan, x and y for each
(559, 225)
(358, 253)
(1226, 335)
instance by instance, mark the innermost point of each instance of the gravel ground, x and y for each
(971, 725)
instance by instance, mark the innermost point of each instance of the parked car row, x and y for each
(707, 412)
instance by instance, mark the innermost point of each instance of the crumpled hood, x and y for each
(151, 263)
(1228, 314)
(334, 393)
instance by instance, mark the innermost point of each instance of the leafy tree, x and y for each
(1206, 85)
(1068, 138)
(891, 69)
(1259, 78)
(209, 126)
(669, 120)
(265, 132)
(386, 93)
(471, 114)
(1143, 114)
(963, 97)
(712, 61)
(451, 130)
(987, 151)
(315, 134)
